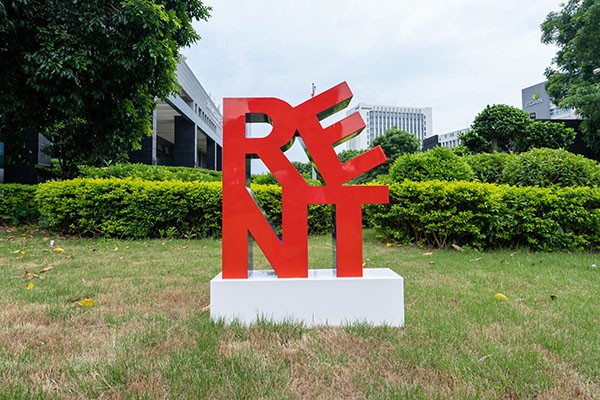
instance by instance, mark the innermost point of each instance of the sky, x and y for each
(456, 56)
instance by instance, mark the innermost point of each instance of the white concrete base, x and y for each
(321, 299)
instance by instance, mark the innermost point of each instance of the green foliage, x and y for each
(17, 204)
(547, 167)
(552, 135)
(488, 167)
(496, 128)
(484, 215)
(264, 179)
(394, 142)
(571, 81)
(150, 172)
(438, 163)
(86, 73)
(135, 208)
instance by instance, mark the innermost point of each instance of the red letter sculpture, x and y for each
(242, 216)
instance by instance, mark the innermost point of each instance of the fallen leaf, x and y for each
(29, 275)
(552, 297)
(431, 262)
(475, 259)
(457, 247)
(44, 270)
(427, 254)
(16, 251)
(58, 250)
(87, 302)
(364, 264)
(30, 286)
(24, 251)
(388, 245)
(116, 249)
(503, 262)
(206, 308)
(126, 247)
(500, 296)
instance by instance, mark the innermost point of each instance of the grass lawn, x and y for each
(149, 334)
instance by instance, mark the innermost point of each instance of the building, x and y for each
(187, 130)
(378, 119)
(451, 139)
(536, 101)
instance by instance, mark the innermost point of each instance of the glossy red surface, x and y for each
(242, 216)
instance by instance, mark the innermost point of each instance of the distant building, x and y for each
(187, 130)
(449, 140)
(536, 101)
(452, 139)
(378, 119)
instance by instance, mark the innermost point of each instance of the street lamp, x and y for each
(596, 71)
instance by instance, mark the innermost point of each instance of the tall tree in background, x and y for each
(86, 73)
(571, 81)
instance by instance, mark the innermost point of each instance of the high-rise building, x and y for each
(378, 119)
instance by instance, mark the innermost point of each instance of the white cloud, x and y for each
(454, 56)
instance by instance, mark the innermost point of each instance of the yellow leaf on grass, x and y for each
(44, 270)
(30, 286)
(58, 250)
(500, 296)
(87, 302)
(388, 245)
(24, 251)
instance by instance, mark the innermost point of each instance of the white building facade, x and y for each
(451, 139)
(378, 119)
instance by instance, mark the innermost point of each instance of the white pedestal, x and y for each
(321, 299)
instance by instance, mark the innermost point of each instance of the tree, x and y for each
(496, 128)
(552, 135)
(87, 73)
(394, 143)
(571, 82)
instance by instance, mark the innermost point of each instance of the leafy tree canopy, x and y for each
(86, 73)
(394, 142)
(571, 80)
(551, 135)
(496, 128)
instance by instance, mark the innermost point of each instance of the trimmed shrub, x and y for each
(151, 173)
(136, 208)
(484, 215)
(488, 167)
(547, 167)
(17, 204)
(438, 163)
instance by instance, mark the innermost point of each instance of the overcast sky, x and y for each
(455, 56)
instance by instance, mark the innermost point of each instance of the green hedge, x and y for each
(437, 163)
(489, 216)
(136, 208)
(151, 173)
(17, 204)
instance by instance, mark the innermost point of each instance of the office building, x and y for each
(378, 119)
(187, 130)
(536, 101)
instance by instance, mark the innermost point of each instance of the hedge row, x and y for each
(489, 216)
(136, 208)
(537, 167)
(151, 173)
(17, 204)
(433, 213)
